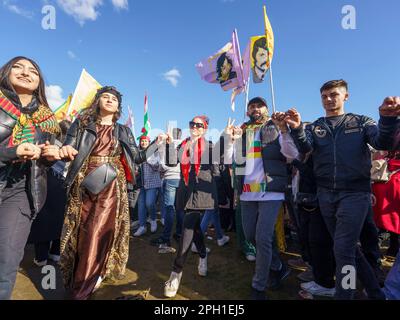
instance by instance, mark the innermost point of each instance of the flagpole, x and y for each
(240, 59)
(270, 63)
(247, 98)
(272, 88)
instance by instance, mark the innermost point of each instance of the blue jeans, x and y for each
(259, 219)
(392, 283)
(147, 203)
(169, 188)
(214, 216)
(163, 210)
(344, 214)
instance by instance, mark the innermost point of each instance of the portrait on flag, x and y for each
(260, 62)
(222, 68)
(225, 69)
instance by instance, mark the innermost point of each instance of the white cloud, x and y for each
(120, 4)
(11, 6)
(172, 76)
(54, 96)
(83, 10)
(71, 55)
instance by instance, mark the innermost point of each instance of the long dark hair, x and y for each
(5, 70)
(91, 113)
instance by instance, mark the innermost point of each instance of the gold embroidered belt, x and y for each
(101, 159)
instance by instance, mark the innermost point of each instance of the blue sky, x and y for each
(134, 44)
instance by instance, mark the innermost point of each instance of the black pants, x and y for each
(42, 249)
(15, 225)
(318, 245)
(344, 214)
(191, 233)
(369, 240)
(133, 196)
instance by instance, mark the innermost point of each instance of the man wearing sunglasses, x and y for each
(261, 172)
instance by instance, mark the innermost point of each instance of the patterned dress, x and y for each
(95, 237)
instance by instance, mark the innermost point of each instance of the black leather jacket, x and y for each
(38, 176)
(83, 139)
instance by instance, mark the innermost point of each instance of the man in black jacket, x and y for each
(342, 162)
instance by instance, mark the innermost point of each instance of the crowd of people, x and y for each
(77, 191)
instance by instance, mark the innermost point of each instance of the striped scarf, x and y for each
(26, 124)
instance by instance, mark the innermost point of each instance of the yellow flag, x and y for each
(84, 93)
(262, 51)
(269, 35)
(61, 111)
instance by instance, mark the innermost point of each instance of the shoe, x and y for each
(257, 295)
(165, 248)
(316, 290)
(251, 257)
(298, 264)
(54, 257)
(276, 277)
(40, 263)
(224, 240)
(134, 224)
(172, 285)
(162, 221)
(306, 276)
(158, 241)
(153, 226)
(98, 283)
(202, 267)
(139, 232)
(194, 249)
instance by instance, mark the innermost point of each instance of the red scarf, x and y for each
(185, 161)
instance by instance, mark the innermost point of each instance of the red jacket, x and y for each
(387, 207)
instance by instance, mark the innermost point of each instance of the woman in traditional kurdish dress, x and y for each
(27, 124)
(95, 236)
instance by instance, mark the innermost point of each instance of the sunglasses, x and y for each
(193, 124)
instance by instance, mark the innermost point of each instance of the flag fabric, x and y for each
(84, 93)
(62, 111)
(262, 51)
(146, 127)
(130, 122)
(224, 67)
(245, 72)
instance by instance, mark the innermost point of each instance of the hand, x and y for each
(164, 137)
(28, 151)
(293, 118)
(68, 153)
(51, 152)
(278, 118)
(390, 107)
(373, 200)
(237, 133)
(231, 131)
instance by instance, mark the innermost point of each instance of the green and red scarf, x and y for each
(25, 126)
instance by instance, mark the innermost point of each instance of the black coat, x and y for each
(342, 159)
(37, 184)
(49, 222)
(83, 138)
(201, 191)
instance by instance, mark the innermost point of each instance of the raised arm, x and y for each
(382, 136)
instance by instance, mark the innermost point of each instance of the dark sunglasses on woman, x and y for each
(193, 124)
